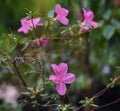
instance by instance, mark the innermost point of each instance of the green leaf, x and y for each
(107, 14)
(108, 31)
(51, 13)
(115, 23)
(94, 105)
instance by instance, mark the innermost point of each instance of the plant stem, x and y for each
(19, 74)
(103, 106)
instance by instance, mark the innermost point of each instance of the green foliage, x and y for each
(87, 54)
(108, 31)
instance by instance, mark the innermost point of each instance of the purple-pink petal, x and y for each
(64, 12)
(45, 42)
(61, 88)
(84, 27)
(94, 24)
(24, 30)
(64, 21)
(42, 42)
(88, 20)
(88, 16)
(27, 24)
(34, 22)
(57, 8)
(55, 69)
(54, 79)
(69, 78)
(61, 14)
(63, 68)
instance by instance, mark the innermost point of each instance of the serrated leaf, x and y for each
(108, 31)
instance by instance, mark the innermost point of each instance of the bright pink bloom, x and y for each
(88, 20)
(61, 77)
(61, 14)
(27, 24)
(43, 41)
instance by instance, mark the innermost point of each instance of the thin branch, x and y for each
(103, 106)
(34, 27)
(78, 108)
(101, 92)
(49, 105)
(19, 74)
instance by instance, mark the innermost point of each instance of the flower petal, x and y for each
(55, 69)
(42, 42)
(69, 78)
(88, 16)
(64, 21)
(45, 42)
(94, 24)
(54, 79)
(34, 22)
(64, 12)
(57, 8)
(63, 68)
(84, 28)
(61, 88)
(61, 14)
(24, 30)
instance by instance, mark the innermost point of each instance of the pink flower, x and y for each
(61, 77)
(43, 41)
(88, 21)
(27, 24)
(61, 14)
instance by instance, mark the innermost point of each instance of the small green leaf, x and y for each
(51, 14)
(115, 23)
(94, 105)
(108, 31)
(107, 14)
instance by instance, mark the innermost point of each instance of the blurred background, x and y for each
(95, 60)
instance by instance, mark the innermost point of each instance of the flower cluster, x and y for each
(61, 77)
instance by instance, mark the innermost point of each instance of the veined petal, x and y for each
(61, 14)
(64, 12)
(54, 79)
(34, 22)
(69, 78)
(61, 88)
(23, 22)
(55, 69)
(64, 21)
(24, 30)
(57, 8)
(42, 42)
(63, 68)
(88, 16)
(94, 24)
